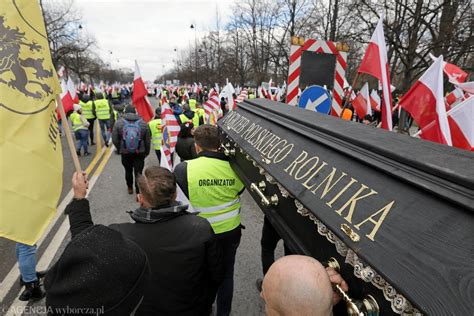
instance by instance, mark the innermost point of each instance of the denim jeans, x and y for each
(26, 257)
(225, 293)
(82, 136)
(104, 127)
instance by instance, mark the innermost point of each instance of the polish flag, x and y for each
(454, 97)
(455, 74)
(72, 90)
(361, 103)
(170, 129)
(67, 101)
(467, 87)
(461, 124)
(425, 101)
(375, 63)
(353, 95)
(375, 100)
(139, 96)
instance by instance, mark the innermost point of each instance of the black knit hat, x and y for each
(100, 270)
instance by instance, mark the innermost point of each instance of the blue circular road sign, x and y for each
(315, 98)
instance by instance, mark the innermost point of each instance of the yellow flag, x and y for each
(30, 148)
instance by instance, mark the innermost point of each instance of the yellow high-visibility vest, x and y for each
(156, 136)
(214, 189)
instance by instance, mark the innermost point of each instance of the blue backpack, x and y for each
(131, 136)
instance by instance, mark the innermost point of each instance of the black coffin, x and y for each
(396, 212)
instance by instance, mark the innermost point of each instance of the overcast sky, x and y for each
(148, 30)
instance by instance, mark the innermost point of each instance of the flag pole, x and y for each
(67, 131)
(348, 93)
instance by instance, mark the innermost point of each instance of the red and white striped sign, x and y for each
(318, 46)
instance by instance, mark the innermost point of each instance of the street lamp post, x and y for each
(193, 26)
(293, 13)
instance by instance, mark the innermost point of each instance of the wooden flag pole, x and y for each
(348, 93)
(68, 133)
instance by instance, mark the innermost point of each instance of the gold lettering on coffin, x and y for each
(308, 171)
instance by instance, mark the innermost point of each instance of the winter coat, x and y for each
(183, 253)
(117, 133)
(185, 148)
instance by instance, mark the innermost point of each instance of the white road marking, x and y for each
(313, 105)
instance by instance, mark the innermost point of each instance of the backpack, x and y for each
(131, 136)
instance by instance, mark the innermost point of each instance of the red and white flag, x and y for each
(243, 95)
(461, 124)
(375, 63)
(361, 103)
(375, 100)
(211, 107)
(139, 96)
(467, 87)
(263, 93)
(425, 101)
(72, 90)
(454, 97)
(66, 100)
(170, 129)
(455, 74)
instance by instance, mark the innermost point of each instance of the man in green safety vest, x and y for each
(213, 189)
(103, 111)
(79, 126)
(156, 136)
(192, 102)
(190, 115)
(88, 110)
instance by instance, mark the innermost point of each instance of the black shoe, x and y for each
(39, 274)
(78, 152)
(259, 284)
(87, 153)
(107, 144)
(33, 291)
(92, 143)
(130, 190)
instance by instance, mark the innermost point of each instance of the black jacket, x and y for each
(118, 132)
(185, 260)
(185, 148)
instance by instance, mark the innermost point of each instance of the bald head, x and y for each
(297, 285)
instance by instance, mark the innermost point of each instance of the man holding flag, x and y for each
(29, 137)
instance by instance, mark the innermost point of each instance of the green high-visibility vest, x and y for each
(192, 104)
(156, 136)
(87, 109)
(77, 122)
(183, 118)
(201, 112)
(102, 109)
(115, 115)
(251, 96)
(214, 188)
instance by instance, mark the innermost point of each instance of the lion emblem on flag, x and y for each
(24, 75)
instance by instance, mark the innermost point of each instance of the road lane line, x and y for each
(14, 273)
(53, 247)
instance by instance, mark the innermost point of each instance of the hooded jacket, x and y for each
(118, 132)
(184, 257)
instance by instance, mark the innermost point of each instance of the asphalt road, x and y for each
(109, 202)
